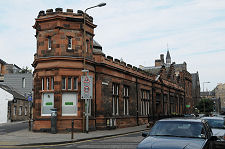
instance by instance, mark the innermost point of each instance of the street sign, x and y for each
(86, 87)
(29, 98)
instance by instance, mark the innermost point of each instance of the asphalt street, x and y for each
(12, 127)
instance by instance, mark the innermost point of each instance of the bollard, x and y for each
(72, 126)
(29, 125)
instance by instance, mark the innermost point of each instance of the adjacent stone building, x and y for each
(13, 105)
(6, 68)
(220, 94)
(123, 95)
(179, 75)
(22, 82)
(195, 88)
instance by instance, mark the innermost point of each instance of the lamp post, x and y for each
(85, 71)
(84, 31)
(203, 93)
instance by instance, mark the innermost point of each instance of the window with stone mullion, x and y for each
(126, 100)
(115, 99)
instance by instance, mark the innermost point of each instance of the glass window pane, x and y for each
(47, 103)
(75, 83)
(69, 104)
(69, 83)
(63, 83)
(52, 83)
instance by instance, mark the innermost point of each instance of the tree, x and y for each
(205, 105)
(25, 70)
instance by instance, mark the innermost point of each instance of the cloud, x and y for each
(138, 31)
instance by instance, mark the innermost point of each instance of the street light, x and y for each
(203, 85)
(85, 50)
(203, 94)
(84, 32)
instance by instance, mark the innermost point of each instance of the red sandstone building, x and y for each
(123, 95)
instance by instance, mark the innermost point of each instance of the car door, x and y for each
(210, 143)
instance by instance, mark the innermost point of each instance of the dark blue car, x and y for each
(179, 134)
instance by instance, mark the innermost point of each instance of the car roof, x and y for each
(213, 118)
(182, 119)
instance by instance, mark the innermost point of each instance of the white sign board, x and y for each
(86, 87)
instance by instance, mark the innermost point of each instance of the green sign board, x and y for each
(188, 106)
(48, 103)
(69, 103)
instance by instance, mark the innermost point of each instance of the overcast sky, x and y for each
(137, 31)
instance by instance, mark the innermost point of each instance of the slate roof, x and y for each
(12, 91)
(97, 48)
(2, 62)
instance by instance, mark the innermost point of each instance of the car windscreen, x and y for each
(177, 129)
(216, 123)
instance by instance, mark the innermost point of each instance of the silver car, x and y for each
(217, 125)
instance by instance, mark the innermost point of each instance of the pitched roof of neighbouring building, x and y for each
(12, 91)
(2, 62)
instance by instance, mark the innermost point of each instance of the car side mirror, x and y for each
(203, 136)
(144, 134)
(213, 138)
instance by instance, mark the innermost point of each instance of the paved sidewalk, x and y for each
(26, 137)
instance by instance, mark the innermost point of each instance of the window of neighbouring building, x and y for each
(145, 102)
(49, 43)
(20, 110)
(115, 99)
(126, 100)
(69, 104)
(14, 110)
(25, 111)
(69, 42)
(23, 83)
(47, 104)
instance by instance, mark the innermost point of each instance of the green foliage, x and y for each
(205, 105)
(25, 70)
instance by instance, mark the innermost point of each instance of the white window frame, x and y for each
(47, 83)
(52, 83)
(42, 101)
(25, 111)
(49, 43)
(23, 82)
(20, 110)
(14, 112)
(75, 102)
(115, 99)
(42, 84)
(69, 42)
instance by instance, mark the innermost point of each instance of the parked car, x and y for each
(217, 125)
(179, 134)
